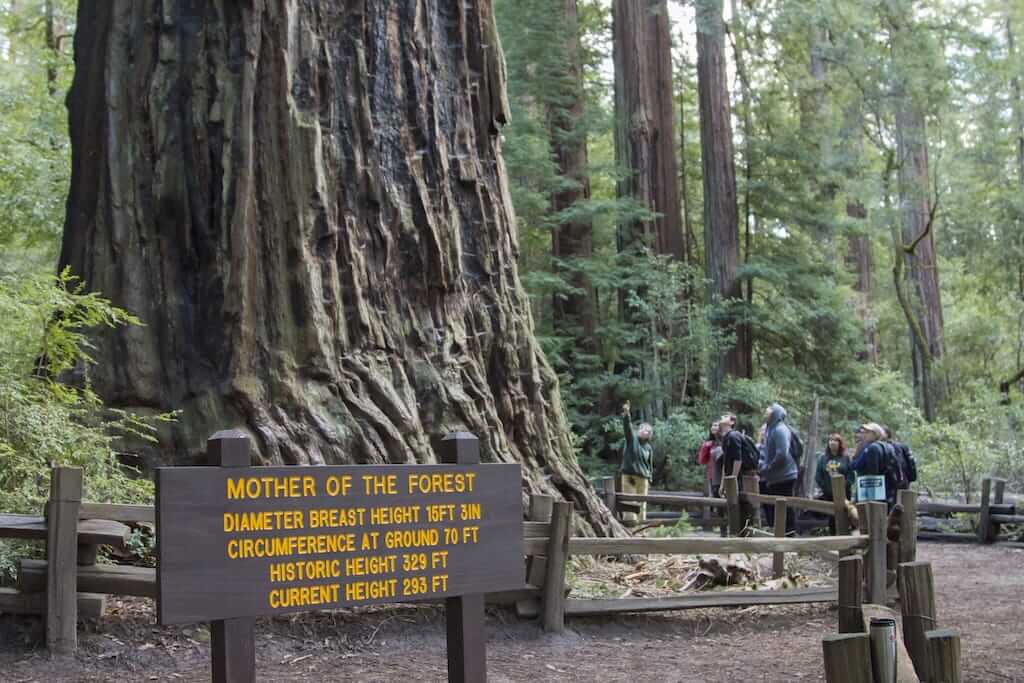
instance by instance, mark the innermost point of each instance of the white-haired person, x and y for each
(870, 458)
(637, 459)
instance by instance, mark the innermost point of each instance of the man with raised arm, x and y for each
(637, 457)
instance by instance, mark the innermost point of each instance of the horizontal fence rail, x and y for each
(713, 546)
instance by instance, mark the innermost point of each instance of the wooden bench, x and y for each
(90, 531)
(114, 579)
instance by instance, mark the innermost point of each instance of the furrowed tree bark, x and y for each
(574, 313)
(307, 205)
(721, 236)
(645, 128)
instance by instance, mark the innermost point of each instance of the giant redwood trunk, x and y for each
(306, 203)
(721, 235)
(573, 238)
(645, 127)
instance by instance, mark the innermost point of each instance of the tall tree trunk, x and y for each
(721, 230)
(645, 129)
(51, 44)
(859, 255)
(917, 234)
(1018, 96)
(574, 313)
(744, 332)
(1017, 102)
(689, 239)
(307, 205)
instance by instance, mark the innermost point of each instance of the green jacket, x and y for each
(637, 457)
(829, 465)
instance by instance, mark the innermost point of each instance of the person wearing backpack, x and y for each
(904, 456)
(637, 460)
(779, 471)
(871, 458)
(739, 457)
(896, 478)
(739, 452)
(908, 460)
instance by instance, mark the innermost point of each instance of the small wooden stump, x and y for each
(851, 594)
(943, 655)
(875, 514)
(917, 602)
(908, 530)
(847, 658)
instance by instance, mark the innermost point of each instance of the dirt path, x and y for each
(980, 591)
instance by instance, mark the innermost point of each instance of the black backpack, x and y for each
(751, 456)
(895, 472)
(908, 462)
(796, 449)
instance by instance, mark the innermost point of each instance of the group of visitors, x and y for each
(776, 457)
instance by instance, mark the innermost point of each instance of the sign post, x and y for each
(236, 542)
(232, 641)
(464, 615)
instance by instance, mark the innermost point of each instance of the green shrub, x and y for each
(46, 422)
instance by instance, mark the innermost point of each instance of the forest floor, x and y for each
(980, 591)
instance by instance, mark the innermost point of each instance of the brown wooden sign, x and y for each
(253, 541)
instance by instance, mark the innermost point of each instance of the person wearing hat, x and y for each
(637, 456)
(870, 459)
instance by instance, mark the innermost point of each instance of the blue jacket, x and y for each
(778, 465)
(870, 460)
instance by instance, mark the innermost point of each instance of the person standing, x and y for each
(870, 459)
(637, 458)
(833, 461)
(779, 471)
(710, 455)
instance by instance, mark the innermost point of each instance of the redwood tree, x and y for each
(923, 306)
(307, 205)
(721, 236)
(645, 128)
(572, 238)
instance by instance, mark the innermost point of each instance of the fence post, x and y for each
(608, 494)
(875, 515)
(464, 615)
(944, 655)
(540, 511)
(917, 602)
(908, 530)
(734, 514)
(232, 641)
(999, 489)
(554, 579)
(847, 658)
(985, 516)
(839, 501)
(779, 559)
(752, 484)
(62, 560)
(851, 594)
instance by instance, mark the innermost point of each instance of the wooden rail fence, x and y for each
(69, 585)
